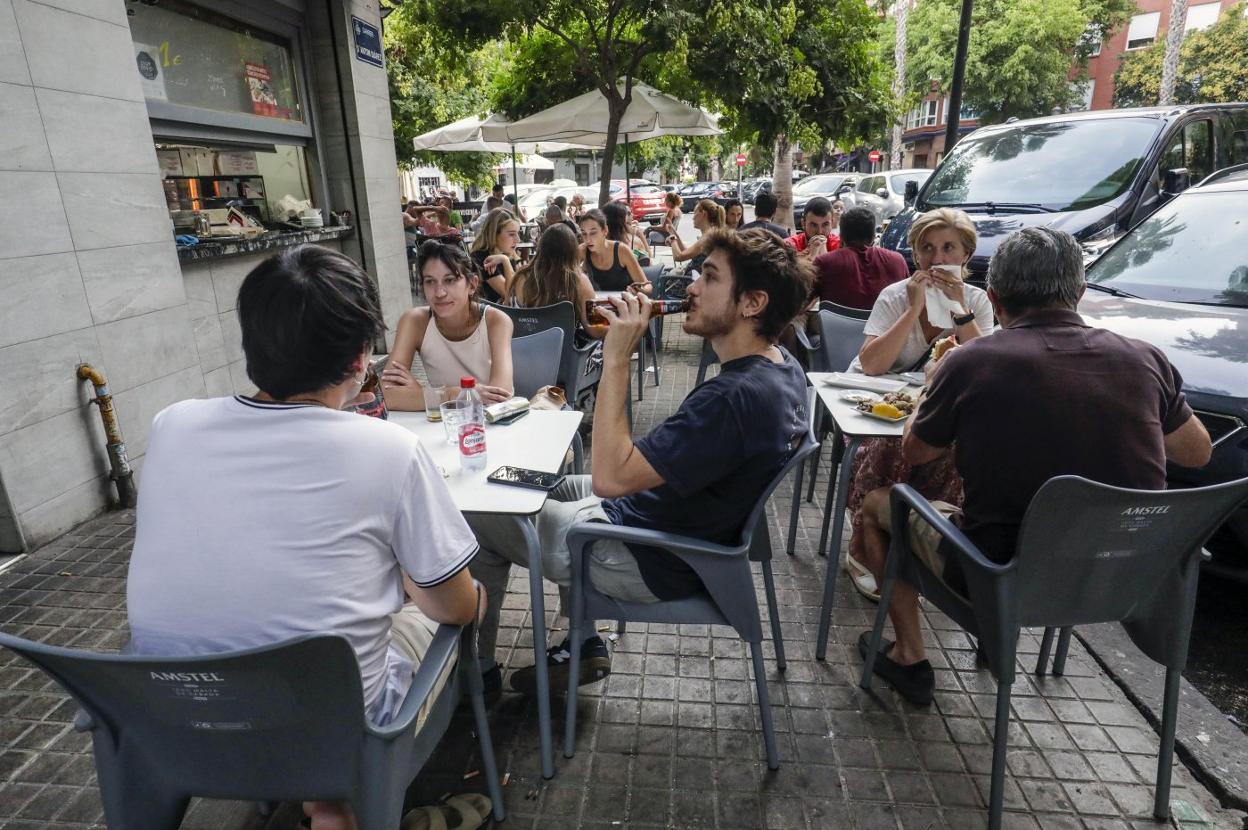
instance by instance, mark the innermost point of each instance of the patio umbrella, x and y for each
(474, 134)
(532, 161)
(584, 120)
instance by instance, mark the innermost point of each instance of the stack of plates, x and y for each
(311, 220)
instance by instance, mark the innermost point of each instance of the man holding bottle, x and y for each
(699, 473)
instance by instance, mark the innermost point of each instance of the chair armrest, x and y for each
(905, 498)
(442, 651)
(582, 533)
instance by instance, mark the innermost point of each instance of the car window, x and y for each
(865, 186)
(1047, 164)
(1190, 148)
(646, 189)
(1154, 260)
(818, 184)
(899, 181)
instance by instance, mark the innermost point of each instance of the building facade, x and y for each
(247, 125)
(924, 134)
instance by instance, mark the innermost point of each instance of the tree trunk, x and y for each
(782, 181)
(900, 12)
(1174, 42)
(615, 114)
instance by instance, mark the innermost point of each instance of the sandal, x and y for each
(862, 579)
(466, 811)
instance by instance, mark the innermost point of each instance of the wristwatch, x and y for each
(964, 319)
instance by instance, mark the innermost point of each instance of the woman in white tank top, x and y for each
(455, 335)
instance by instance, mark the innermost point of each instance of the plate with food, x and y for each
(893, 407)
(859, 395)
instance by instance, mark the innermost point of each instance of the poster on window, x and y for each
(150, 75)
(260, 86)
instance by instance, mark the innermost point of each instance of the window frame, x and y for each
(1143, 43)
(1187, 18)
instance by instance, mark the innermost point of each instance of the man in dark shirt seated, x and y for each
(1045, 396)
(765, 205)
(699, 473)
(856, 273)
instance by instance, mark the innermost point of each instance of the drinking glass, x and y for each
(453, 414)
(435, 396)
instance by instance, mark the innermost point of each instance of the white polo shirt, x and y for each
(258, 522)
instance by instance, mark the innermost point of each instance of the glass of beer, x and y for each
(435, 396)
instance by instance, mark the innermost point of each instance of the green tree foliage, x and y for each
(432, 85)
(1019, 54)
(1213, 66)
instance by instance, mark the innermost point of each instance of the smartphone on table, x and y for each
(531, 479)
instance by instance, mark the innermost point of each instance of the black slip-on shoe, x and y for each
(916, 682)
(595, 666)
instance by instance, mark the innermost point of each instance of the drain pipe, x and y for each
(122, 475)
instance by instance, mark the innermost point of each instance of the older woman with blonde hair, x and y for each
(706, 216)
(907, 321)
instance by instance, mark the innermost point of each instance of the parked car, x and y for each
(692, 193)
(1043, 171)
(645, 200)
(534, 202)
(753, 187)
(884, 193)
(1179, 280)
(722, 192)
(827, 185)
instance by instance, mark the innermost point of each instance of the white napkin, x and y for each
(940, 309)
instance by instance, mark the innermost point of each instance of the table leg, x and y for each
(537, 601)
(837, 505)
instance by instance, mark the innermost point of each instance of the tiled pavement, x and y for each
(671, 738)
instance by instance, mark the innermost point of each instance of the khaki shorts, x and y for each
(412, 633)
(925, 540)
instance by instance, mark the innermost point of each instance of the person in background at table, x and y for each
(856, 273)
(816, 237)
(699, 473)
(671, 220)
(707, 216)
(509, 202)
(494, 252)
(562, 203)
(838, 211)
(622, 228)
(765, 205)
(576, 207)
(455, 335)
(497, 191)
(360, 537)
(610, 265)
(734, 214)
(1004, 402)
(554, 274)
(454, 219)
(491, 204)
(899, 338)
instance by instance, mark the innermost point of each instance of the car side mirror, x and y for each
(912, 192)
(1175, 181)
(845, 188)
(882, 193)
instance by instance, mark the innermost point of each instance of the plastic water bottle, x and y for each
(471, 426)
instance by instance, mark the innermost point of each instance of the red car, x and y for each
(645, 199)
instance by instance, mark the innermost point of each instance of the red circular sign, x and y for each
(873, 156)
(740, 159)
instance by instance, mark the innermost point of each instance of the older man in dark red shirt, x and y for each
(856, 273)
(1045, 396)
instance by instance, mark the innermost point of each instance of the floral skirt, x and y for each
(879, 464)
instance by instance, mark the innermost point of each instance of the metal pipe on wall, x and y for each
(121, 473)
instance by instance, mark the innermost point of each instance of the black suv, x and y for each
(1092, 174)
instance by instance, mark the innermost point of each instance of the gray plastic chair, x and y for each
(729, 599)
(283, 722)
(1087, 553)
(840, 339)
(535, 361)
(580, 368)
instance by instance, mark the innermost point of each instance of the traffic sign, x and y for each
(740, 159)
(873, 156)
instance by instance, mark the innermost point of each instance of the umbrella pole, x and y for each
(628, 190)
(515, 192)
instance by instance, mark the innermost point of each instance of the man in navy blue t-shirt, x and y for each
(700, 472)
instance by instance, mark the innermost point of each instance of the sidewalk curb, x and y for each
(1220, 760)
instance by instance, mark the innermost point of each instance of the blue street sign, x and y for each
(367, 41)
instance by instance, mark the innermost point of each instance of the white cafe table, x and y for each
(856, 427)
(538, 441)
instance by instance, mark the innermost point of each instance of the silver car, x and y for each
(884, 193)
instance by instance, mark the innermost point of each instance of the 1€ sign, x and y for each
(367, 40)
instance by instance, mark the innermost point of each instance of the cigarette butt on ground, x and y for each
(506, 778)
(473, 774)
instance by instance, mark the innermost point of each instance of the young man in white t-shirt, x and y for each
(265, 517)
